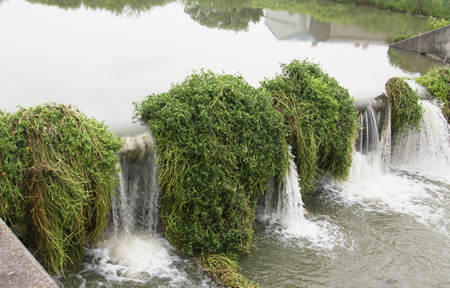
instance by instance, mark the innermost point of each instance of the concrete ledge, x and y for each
(18, 268)
(432, 43)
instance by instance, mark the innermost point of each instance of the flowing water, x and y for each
(387, 226)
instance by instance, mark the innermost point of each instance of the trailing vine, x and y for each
(322, 120)
(407, 112)
(219, 142)
(57, 171)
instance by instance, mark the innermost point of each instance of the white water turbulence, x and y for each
(377, 184)
(134, 251)
(427, 150)
(285, 212)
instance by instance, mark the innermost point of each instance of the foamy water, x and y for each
(413, 184)
(427, 150)
(288, 221)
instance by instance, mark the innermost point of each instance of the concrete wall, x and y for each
(18, 268)
(436, 42)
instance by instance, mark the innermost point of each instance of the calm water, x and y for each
(377, 230)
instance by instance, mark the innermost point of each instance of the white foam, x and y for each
(287, 221)
(427, 150)
(135, 258)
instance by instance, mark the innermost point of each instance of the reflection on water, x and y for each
(234, 16)
(101, 60)
(412, 62)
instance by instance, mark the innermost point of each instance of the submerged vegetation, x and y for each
(437, 80)
(322, 119)
(57, 171)
(407, 112)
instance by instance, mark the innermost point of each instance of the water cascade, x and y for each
(135, 205)
(134, 250)
(426, 150)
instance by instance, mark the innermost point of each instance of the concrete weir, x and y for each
(435, 43)
(18, 268)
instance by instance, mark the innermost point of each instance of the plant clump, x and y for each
(407, 112)
(57, 171)
(219, 142)
(400, 37)
(225, 270)
(322, 120)
(435, 23)
(437, 80)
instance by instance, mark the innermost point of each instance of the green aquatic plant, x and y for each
(435, 23)
(322, 120)
(57, 171)
(400, 37)
(219, 142)
(407, 112)
(437, 80)
(222, 268)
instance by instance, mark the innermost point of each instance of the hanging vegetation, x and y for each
(57, 170)
(219, 143)
(437, 80)
(407, 112)
(225, 270)
(322, 119)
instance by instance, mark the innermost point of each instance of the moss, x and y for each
(57, 170)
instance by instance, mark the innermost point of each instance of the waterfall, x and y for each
(290, 208)
(427, 149)
(386, 178)
(283, 204)
(134, 249)
(135, 206)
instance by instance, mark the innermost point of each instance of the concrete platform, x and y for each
(18, 268)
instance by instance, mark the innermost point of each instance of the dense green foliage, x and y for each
(407, 112)
(435, 23)
(57, 171)
(401, 36)
(437, 80)
(322, 118)
(219, 141)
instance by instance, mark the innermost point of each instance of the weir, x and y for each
(135, 226)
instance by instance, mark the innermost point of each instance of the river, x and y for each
(382, 228)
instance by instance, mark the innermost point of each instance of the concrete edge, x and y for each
(18, 268)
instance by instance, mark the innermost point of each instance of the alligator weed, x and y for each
(57, 171)
(321, 117)
(437, 80)
(407, 112)
(219, 142)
